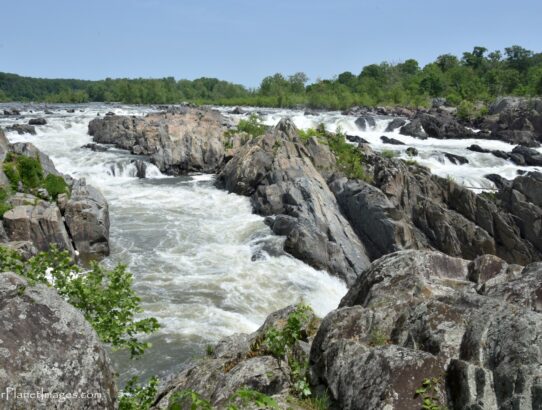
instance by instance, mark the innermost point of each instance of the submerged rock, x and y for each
(47, 344)
(22, 129)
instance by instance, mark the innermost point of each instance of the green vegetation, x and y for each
(349, 157)
(252, 126)
(241, 399)
(478, 75)
(27, 172)
(138, 397)
(317, 402)
(388, 153)
(4, 205)
(377, 338)
(105, 297)
(430, 394)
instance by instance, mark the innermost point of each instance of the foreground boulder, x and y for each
(415, 316)
(87, 219)
(47, 344)
(177, 142)
(281, 175)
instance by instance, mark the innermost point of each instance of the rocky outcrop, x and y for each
(47, 344)
(415, 315)
(281, 175)
(178, 142)
(40, 224)
(241, 361)
(515, 120)
(437, 124)
(87, 219)
(22, 129)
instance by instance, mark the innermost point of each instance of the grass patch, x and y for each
(388, 153)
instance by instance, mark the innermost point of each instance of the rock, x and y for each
(70, 110)
(499, 181)
(141, 167)
(25, 249)
(414, 315)
(237, 110)
(456, 159)
(356, 139)
(95, 147)
(22, 129)
(477, 148)
(48, 112)
(237, 362)
(47, 344)
(526, 138)
(187, 140)
(12, 111)
(40, 224)
(109, 114)
(394, 124)
(414, 129)
(87, 219)
(392, 141)
(281, 176)
(30, 150)
(37, 121)
(365, 121)
(530, 156)
(412, 152)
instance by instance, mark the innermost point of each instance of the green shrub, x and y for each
(138, 397)
(30, 171)
(466, 110)
(252, 126)
(55, 185)
(105, 297)
(4, 205)
(388, 153)
(349, 157)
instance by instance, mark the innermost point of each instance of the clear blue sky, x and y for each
(245, 40)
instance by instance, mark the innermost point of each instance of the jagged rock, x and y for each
(415, 315)
(87, 219)
(391, 141)
(394, 124)
(456, 159)
(12, 111)
(37, 121)
(141, 168)
(356, 139)
(28, 149)
(412, 152)
(187, 140)
(237, 363)
(530, 156)
(22, 129)
(47, 344)
(365, 121)
(95, 147)
(414, 129)
(238, 110)
(280, 174)
(40, 224)
(25, 249)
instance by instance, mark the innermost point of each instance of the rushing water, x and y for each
(205, 266)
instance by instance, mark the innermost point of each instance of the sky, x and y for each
(245, 40)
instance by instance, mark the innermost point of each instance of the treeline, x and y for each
(478, 75)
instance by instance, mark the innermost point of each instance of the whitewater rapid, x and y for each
(203, 263)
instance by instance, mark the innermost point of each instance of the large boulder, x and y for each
(418, 315)
(28, 149)
(441, 125)
(178, 142)
(87, 218)
(40, 224)
(22, 129)
(47, 346)
(281, 175)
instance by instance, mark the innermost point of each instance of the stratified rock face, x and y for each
(45, 343)
(281, 175)
(178, 142)
(40, 224)
(87, 219)
(415, 315)
(407, 207)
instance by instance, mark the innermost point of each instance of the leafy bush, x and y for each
(4, 205)
(105, 297)
(431, 394)
(349, 157)
(138, 397)
(252, 126)
(242, 398)
(388, 153)
(55, 185)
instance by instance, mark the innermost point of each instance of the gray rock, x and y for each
(22, 129)
(184, 141)
(87, 219)
(47, 344)
(40, 224)
(395, 123)
(365, 121)
(391, 141)
(281, 176)
(28, 149)
(531, 156)
(37, 121)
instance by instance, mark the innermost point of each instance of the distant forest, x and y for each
(478, 75)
